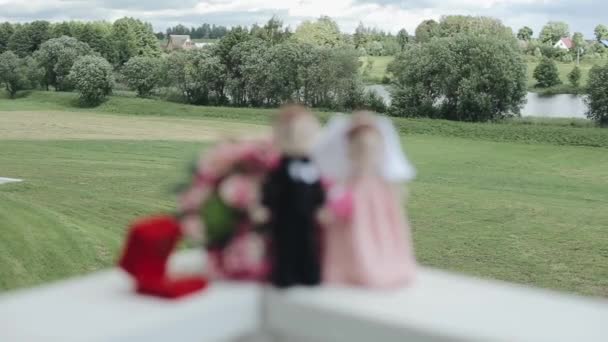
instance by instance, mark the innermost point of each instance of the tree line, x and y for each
(471, 69)
(259, 66)
(553, 31)
(542, 46)
(460, 68)
(116, 42)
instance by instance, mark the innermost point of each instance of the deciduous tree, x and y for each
(601, 32)
(579, 42)
(132, 37)
(427, 30)
(467, 77)
(451, 25)
(403, 38)
(143, 74)
(12, 73)
(322, 32)
(546, 73)
(6, 31)
(27, 38)
(597, 95)
(575, 76)
(198, 74)
(56, 56)
(553, 31)
(525, 33)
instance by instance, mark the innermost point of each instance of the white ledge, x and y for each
(103, 307)
(439, 307)
(9, 180)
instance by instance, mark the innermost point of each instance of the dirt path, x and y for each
(34, 125)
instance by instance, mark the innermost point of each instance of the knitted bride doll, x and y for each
(366, 233)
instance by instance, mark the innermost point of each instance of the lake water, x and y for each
(554, 106)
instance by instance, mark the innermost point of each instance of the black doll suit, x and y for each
(293, 193)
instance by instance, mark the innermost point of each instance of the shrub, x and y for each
(575, 76)
(142, 74)
(546, 74)
(93, 78)
(375, 48)
(597, 95)
(374, 102)
(350, 96)
(464, 78)
(550, 52)
(567, 58)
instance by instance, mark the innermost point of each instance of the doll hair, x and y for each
(361, 121)
(330, 153)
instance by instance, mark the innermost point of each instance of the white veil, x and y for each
(331, 151)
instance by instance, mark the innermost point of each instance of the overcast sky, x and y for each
(391, 15)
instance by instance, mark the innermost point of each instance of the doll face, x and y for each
(297, 136)
(366, 152)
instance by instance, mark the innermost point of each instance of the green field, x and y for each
(379, 65)
(516, 210)
(564, 69)
(376, 72)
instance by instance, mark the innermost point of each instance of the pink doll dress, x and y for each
(369, 245)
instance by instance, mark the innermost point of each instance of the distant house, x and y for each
(179, 42)
(202, 45)
(564, 43)
(604, 42)
(523, 44)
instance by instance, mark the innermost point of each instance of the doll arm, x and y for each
(342, 205)
(339, 206)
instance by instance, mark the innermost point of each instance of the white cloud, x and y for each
(390, 15)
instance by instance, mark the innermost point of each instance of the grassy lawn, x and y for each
(528, 213)
(529, 130)
(564, 69)
(377, 71)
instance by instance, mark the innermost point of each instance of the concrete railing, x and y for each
(439, 307)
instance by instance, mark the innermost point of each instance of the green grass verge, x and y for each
(548, 131)
(531, 214)
(562, 132)
(375, 73)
